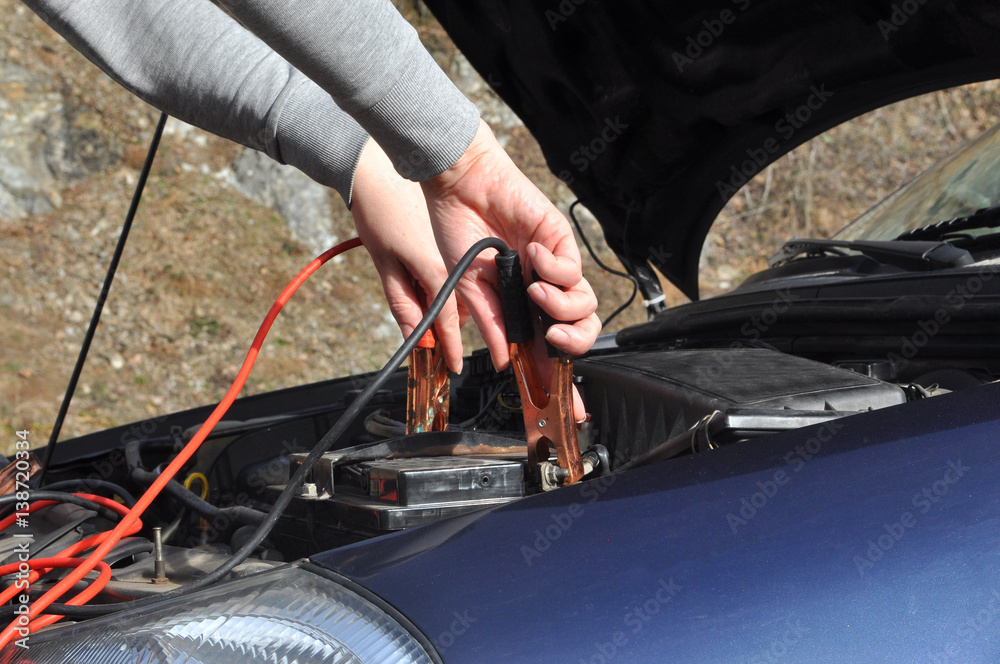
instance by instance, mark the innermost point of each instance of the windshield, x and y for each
(967, 181)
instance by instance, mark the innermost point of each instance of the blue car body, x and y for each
(870, 539)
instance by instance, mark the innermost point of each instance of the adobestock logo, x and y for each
(790, 635)
(639, 616)
(566, 9)
(923, 501)
(765, 490)
(928, 328)
(967, 632)
(460, 625)
(752, 329)
(901, 13)
(584, 155)
(785, 128)
(697, 44)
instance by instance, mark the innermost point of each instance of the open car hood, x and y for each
(655, 113)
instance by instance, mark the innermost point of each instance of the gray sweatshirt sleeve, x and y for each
(191, 60)
(365, 54)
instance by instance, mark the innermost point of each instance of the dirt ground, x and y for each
(204, 262)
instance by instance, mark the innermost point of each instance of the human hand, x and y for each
(484, 194)
(392, 221)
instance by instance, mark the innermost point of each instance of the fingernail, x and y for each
(557, 336)
(407, 330)
(537, 292)
(532, 251)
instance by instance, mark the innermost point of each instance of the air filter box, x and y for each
(639, 400)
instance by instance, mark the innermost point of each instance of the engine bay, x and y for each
(646, 406)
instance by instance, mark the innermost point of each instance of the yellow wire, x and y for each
(504, 404)
(204, 483)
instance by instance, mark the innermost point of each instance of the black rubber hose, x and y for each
(128, 548)
(116, 257)
(88, 485)
(378, 423)
(324, 444)
(61, 497)
(237, 513)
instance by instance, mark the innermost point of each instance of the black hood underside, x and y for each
(655, 113)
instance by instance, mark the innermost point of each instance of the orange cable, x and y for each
(39, 605)
(36, 573)
(85, 595)
(39, 504)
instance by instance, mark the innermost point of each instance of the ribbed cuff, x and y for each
(316, 136)
(424, 123)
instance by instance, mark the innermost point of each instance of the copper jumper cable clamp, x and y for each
(427, 387)
(548, 414)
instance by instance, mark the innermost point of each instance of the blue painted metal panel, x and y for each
(876, 539)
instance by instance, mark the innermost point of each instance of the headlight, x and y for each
(286, 616)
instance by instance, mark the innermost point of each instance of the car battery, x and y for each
(384, 495)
